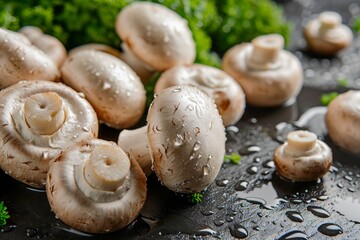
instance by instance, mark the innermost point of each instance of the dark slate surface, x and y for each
(262, 210)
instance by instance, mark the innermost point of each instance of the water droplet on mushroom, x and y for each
(294, 216)
(179, 140)
(177, 89)
(75, 136)
(86, 129)
(197, 146)
(294, 235)
(166, 39)
(106, 86)
(128, 93)
(330, 229)
(22, 59)
(155, 95)
(112, 65)
(45, 155)
(318, 211)
(31, 71)
(241, 185)
(81, 94)
(206, 170)
(238, 231)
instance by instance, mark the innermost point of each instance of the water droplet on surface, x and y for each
(219, 222)
(323, 198)
(269, 163)
(330, 229)
(241, 185)
(207, 212)
(340, 185)
(238, 231)
(348, 178)
(252, 170)
(8, 228)
(256, 160)
(222, 183)
(256, 228)
(30, 232)
(318, 211)
(294, 235)
(205, 232)
(294, 216)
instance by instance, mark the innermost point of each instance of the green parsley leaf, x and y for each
(3, 214)
(343, 82)
(232, 158)
(326, 98)
(195, 198)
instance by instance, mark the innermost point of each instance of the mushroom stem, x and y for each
(44, 113)
(265, 50)
(299, 142)
(107, 168)
(328, 21)
(143, 70)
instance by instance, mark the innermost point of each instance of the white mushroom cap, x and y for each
(326, 35)
(156, 35)
(134, 142)
(21, 61)
(269, 75)
(39, 119)
(94, 187)
(186, 138)
(303, 157)
(343, 121)
(113, 89)
(50, 45)
(96, 47)
(226, 92)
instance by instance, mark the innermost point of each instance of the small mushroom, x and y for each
(303, 157)
(93, 186)
(268, 74)
(113, 89)
(226, 92)
(134, 142)
(186, 138)
(325, 35)
(343, 121)
(50, 45)
(38, 120)
(21, 61)
(96, 47)
(155, 35)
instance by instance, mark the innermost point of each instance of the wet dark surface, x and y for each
(250, 199)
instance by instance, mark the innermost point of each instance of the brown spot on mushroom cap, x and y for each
(32, 152)
(267, 87)
(113, 89)
(303, 160)
(156, 35)
(21, 61)
(326, 35)
(221, 87)
(343, 121)
(112, 210)
(186, 138)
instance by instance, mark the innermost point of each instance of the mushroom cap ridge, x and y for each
(71, 205)
(343, 121)
(26, 158)
(186, 138)
(266, 88)
(156, 35)
(227, 93)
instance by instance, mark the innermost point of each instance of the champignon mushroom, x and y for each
(134, 142)
(343, 121)
(50, 45)
(186, 138)
(228, 95)
(96, 47)
(94, 187)
(326, 35)
(269, 75)
(39, 119)
(21, 61)
(303, 157)
(113, 89)
(155, 35)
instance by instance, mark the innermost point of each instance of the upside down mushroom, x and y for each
(343, 121)
(186, 138)
(326, 35)
(94, 186)
(38, 120)
(268, 74)
(303, 157)
(226, 92)
(20, 60)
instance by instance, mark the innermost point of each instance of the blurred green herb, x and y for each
(343, 82)
(216, 25)
(326, 98)
(356, 24)
(4, 215)
(195, 198)
(232, 158)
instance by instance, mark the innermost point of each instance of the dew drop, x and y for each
(179, 140)
(222, 183)
(207, 212)
(197, 145)
(340, 185)
(318, 211)
(205, 232)
(8, 228)
(269, 163)
(294, 216)
(348, 178)
(241, 185)
(106, 86)
(86, 129)
(256, 228)
(30, 232)
(81, 94)
(155, 95)
(330, 229)
(219, 222)
(206, 170)
(294, 235)
(252, 170)
(323, 198)
(238, 231)
(45, 155)
(177, 89)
